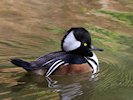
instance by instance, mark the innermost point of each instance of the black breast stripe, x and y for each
(93, 61)
(93, 65)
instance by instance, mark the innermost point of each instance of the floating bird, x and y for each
(75, 57)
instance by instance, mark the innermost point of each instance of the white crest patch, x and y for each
(70, 42)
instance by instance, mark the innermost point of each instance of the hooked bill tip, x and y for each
(101, 49)
(97, 49)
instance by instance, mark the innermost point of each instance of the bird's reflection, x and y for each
(76, 87)
(68, 87)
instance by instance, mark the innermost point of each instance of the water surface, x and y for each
(33, 28)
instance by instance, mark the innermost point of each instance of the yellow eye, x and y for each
(85, 44)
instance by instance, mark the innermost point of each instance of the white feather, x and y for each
(94, 57)
(94, 66)
(70, 42)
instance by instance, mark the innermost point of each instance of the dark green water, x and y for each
(32, 28)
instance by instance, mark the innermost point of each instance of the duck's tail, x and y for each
(21, 63)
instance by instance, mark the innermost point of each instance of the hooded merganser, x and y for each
(76, 56)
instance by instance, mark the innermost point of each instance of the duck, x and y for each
(75, 57)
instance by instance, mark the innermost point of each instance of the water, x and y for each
(32, 28)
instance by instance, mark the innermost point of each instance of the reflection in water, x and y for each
(35, 27)
(74, 89)
(69, 89)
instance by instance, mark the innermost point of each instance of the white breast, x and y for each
(92, 63)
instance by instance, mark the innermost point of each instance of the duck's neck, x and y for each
(90, 54)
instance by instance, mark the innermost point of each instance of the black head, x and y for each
(78, 41)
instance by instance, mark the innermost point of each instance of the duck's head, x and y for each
(78, 41)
